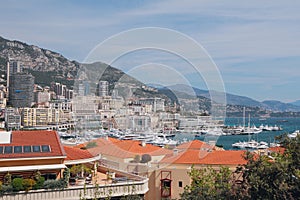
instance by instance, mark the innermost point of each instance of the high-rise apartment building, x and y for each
(103, 88)
(21, 87)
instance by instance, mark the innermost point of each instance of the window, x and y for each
(27, 149)
(45, 148)
(180, 184)
(17, 149)
(8, 149)
(49, 176)
(36, 148)
(1, 150)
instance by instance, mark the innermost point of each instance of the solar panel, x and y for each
(36, 148)
(17, 149)
(45, 148)
(1, 150)
(8, 149)
(27, 149)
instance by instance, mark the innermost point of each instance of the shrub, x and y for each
(91, 145)
(7, 179)
(78, 169)
(37, 175)
(28, 184)
(66, 178)
(6, 189)
(39, 183)
(53, 184)
(17, 184)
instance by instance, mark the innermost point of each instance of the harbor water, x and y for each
(288, 125)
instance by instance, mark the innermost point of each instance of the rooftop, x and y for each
(76, 153)
(125, 148)
(31, 144)
(207, 158)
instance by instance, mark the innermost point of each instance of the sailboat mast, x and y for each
(244, 111)
(249, 121)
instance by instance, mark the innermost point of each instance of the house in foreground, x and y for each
(167, 170)
(24, 154)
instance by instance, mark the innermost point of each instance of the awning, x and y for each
(32, 167)
(81, 161)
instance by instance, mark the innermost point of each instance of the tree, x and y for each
(274, 176)
(209, 183)
(80, 170)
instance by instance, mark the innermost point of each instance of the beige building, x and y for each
(168, 169)
(32, 117)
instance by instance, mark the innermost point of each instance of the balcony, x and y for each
(103, 185)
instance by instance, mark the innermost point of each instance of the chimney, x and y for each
(175, 152)
(143, 143)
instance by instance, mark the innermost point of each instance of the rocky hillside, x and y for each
(48, 66)
(36, 58)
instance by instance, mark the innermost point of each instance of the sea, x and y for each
(288, 125)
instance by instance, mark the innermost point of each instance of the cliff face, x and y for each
(35, 58)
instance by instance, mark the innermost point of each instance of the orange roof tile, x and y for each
(76, 153)
(277, 149)
(207, 158)
(31, 138)
(125, 148)
(195, 144)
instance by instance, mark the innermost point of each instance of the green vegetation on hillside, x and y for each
(44, 78)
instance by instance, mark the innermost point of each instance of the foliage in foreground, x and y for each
(275, 176)
(209, 183)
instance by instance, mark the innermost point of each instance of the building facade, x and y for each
(12, 119)
(21, 90)
(34, 117)
(103, 88)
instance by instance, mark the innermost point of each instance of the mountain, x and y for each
(280, 106)
(36, 58)
(118, 80)
(230, 98)
(296, 103)
(48, 66)
(236, 100)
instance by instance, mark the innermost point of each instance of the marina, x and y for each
(231, 136)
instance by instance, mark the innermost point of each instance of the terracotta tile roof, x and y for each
(125, 148)
(195, 144)
(207, 158)
(31, 138)
(76, 153)
(277, 149)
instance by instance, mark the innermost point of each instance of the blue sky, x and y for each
(255, 44)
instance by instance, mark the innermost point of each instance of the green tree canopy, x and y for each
(272, 176)
(209, 183)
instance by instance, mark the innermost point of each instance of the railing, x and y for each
(84, 192)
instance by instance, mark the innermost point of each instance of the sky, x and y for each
(254, 44)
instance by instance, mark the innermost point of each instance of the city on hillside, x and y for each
(149, 100)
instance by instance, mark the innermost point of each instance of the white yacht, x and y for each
(294, 135)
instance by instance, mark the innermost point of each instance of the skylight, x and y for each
(8, 149)
(25, 149)
(36, 148)
(18, 149)
(45, 148)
